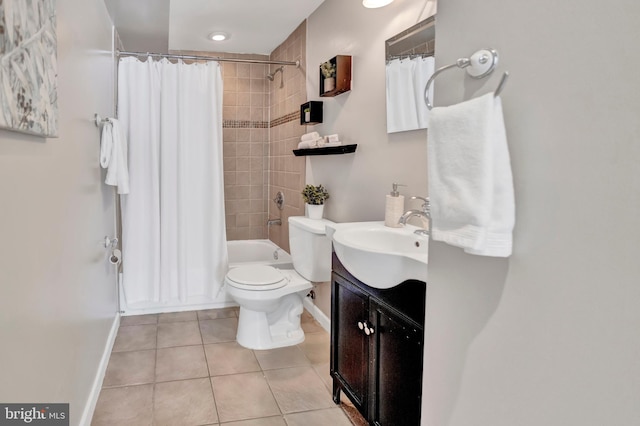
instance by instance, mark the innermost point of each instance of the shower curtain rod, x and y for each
(208, 58)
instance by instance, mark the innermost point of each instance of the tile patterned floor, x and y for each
(185, 368)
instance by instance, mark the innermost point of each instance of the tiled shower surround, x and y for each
(245, 132)
(287, 172)
(261, 127)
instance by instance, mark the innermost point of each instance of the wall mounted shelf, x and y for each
(311, 112)
(328, 150)
(342, 78)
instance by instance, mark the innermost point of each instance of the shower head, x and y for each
(272, 75)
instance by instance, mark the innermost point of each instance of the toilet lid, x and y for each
(256, 277)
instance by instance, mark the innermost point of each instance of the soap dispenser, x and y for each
(394, 207)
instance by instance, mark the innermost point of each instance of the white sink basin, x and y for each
(380, 256)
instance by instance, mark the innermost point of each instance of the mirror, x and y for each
(409, 64)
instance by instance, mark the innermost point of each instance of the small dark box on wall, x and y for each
(311, 112)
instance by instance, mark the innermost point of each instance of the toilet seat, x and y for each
(256, 278)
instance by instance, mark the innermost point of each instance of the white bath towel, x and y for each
(470, 181)
(310, 136)
(312, 143)
(113, 155)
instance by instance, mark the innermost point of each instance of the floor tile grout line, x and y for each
(206, 359)
(215, 403)
(273, 395)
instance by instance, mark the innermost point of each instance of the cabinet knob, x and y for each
(368, 330)
(360, 325)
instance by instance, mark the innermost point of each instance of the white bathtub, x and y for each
(257, 252)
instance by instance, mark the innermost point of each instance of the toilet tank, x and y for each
(310, 248)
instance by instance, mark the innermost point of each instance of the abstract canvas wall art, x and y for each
(28, 69)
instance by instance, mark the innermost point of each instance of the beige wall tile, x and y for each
(256, 159)
(244, 70)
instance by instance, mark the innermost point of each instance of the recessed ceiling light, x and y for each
(372, 4)
(218, 36)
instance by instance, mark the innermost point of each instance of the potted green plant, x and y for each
(328, 70)
(307, 114)
(314, 197)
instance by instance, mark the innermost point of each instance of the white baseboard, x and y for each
(315, 312)
(90, 406)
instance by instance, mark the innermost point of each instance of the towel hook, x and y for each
(99, 120)
(479, 65)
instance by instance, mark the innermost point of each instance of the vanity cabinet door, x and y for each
(349, 344)
(396, 376)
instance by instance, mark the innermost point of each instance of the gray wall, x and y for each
(57, 290)
(550, 335)
(359, 182)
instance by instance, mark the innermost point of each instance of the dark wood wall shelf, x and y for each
(328, 150)
(314, 109)
(342, 78)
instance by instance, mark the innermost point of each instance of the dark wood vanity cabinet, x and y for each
(377, 341)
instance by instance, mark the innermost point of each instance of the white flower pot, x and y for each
(315, 211)
(329, 84)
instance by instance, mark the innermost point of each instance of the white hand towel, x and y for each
(113, 155)
(106, 145)
(470, 181)
(310, 136)
(304, 145)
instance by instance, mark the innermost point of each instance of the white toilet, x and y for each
(270, 299)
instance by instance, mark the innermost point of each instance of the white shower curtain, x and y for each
(173, 222)
(406, 81)
(401, 99)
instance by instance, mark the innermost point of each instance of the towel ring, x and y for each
(479, 65)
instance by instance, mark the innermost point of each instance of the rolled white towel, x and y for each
(304, 145)
(320, 142)
(310, 136)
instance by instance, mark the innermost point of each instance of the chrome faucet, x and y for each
(271, 222)
(425, 213)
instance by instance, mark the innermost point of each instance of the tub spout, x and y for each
(274, 222)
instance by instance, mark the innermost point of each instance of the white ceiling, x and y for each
(254, 26)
